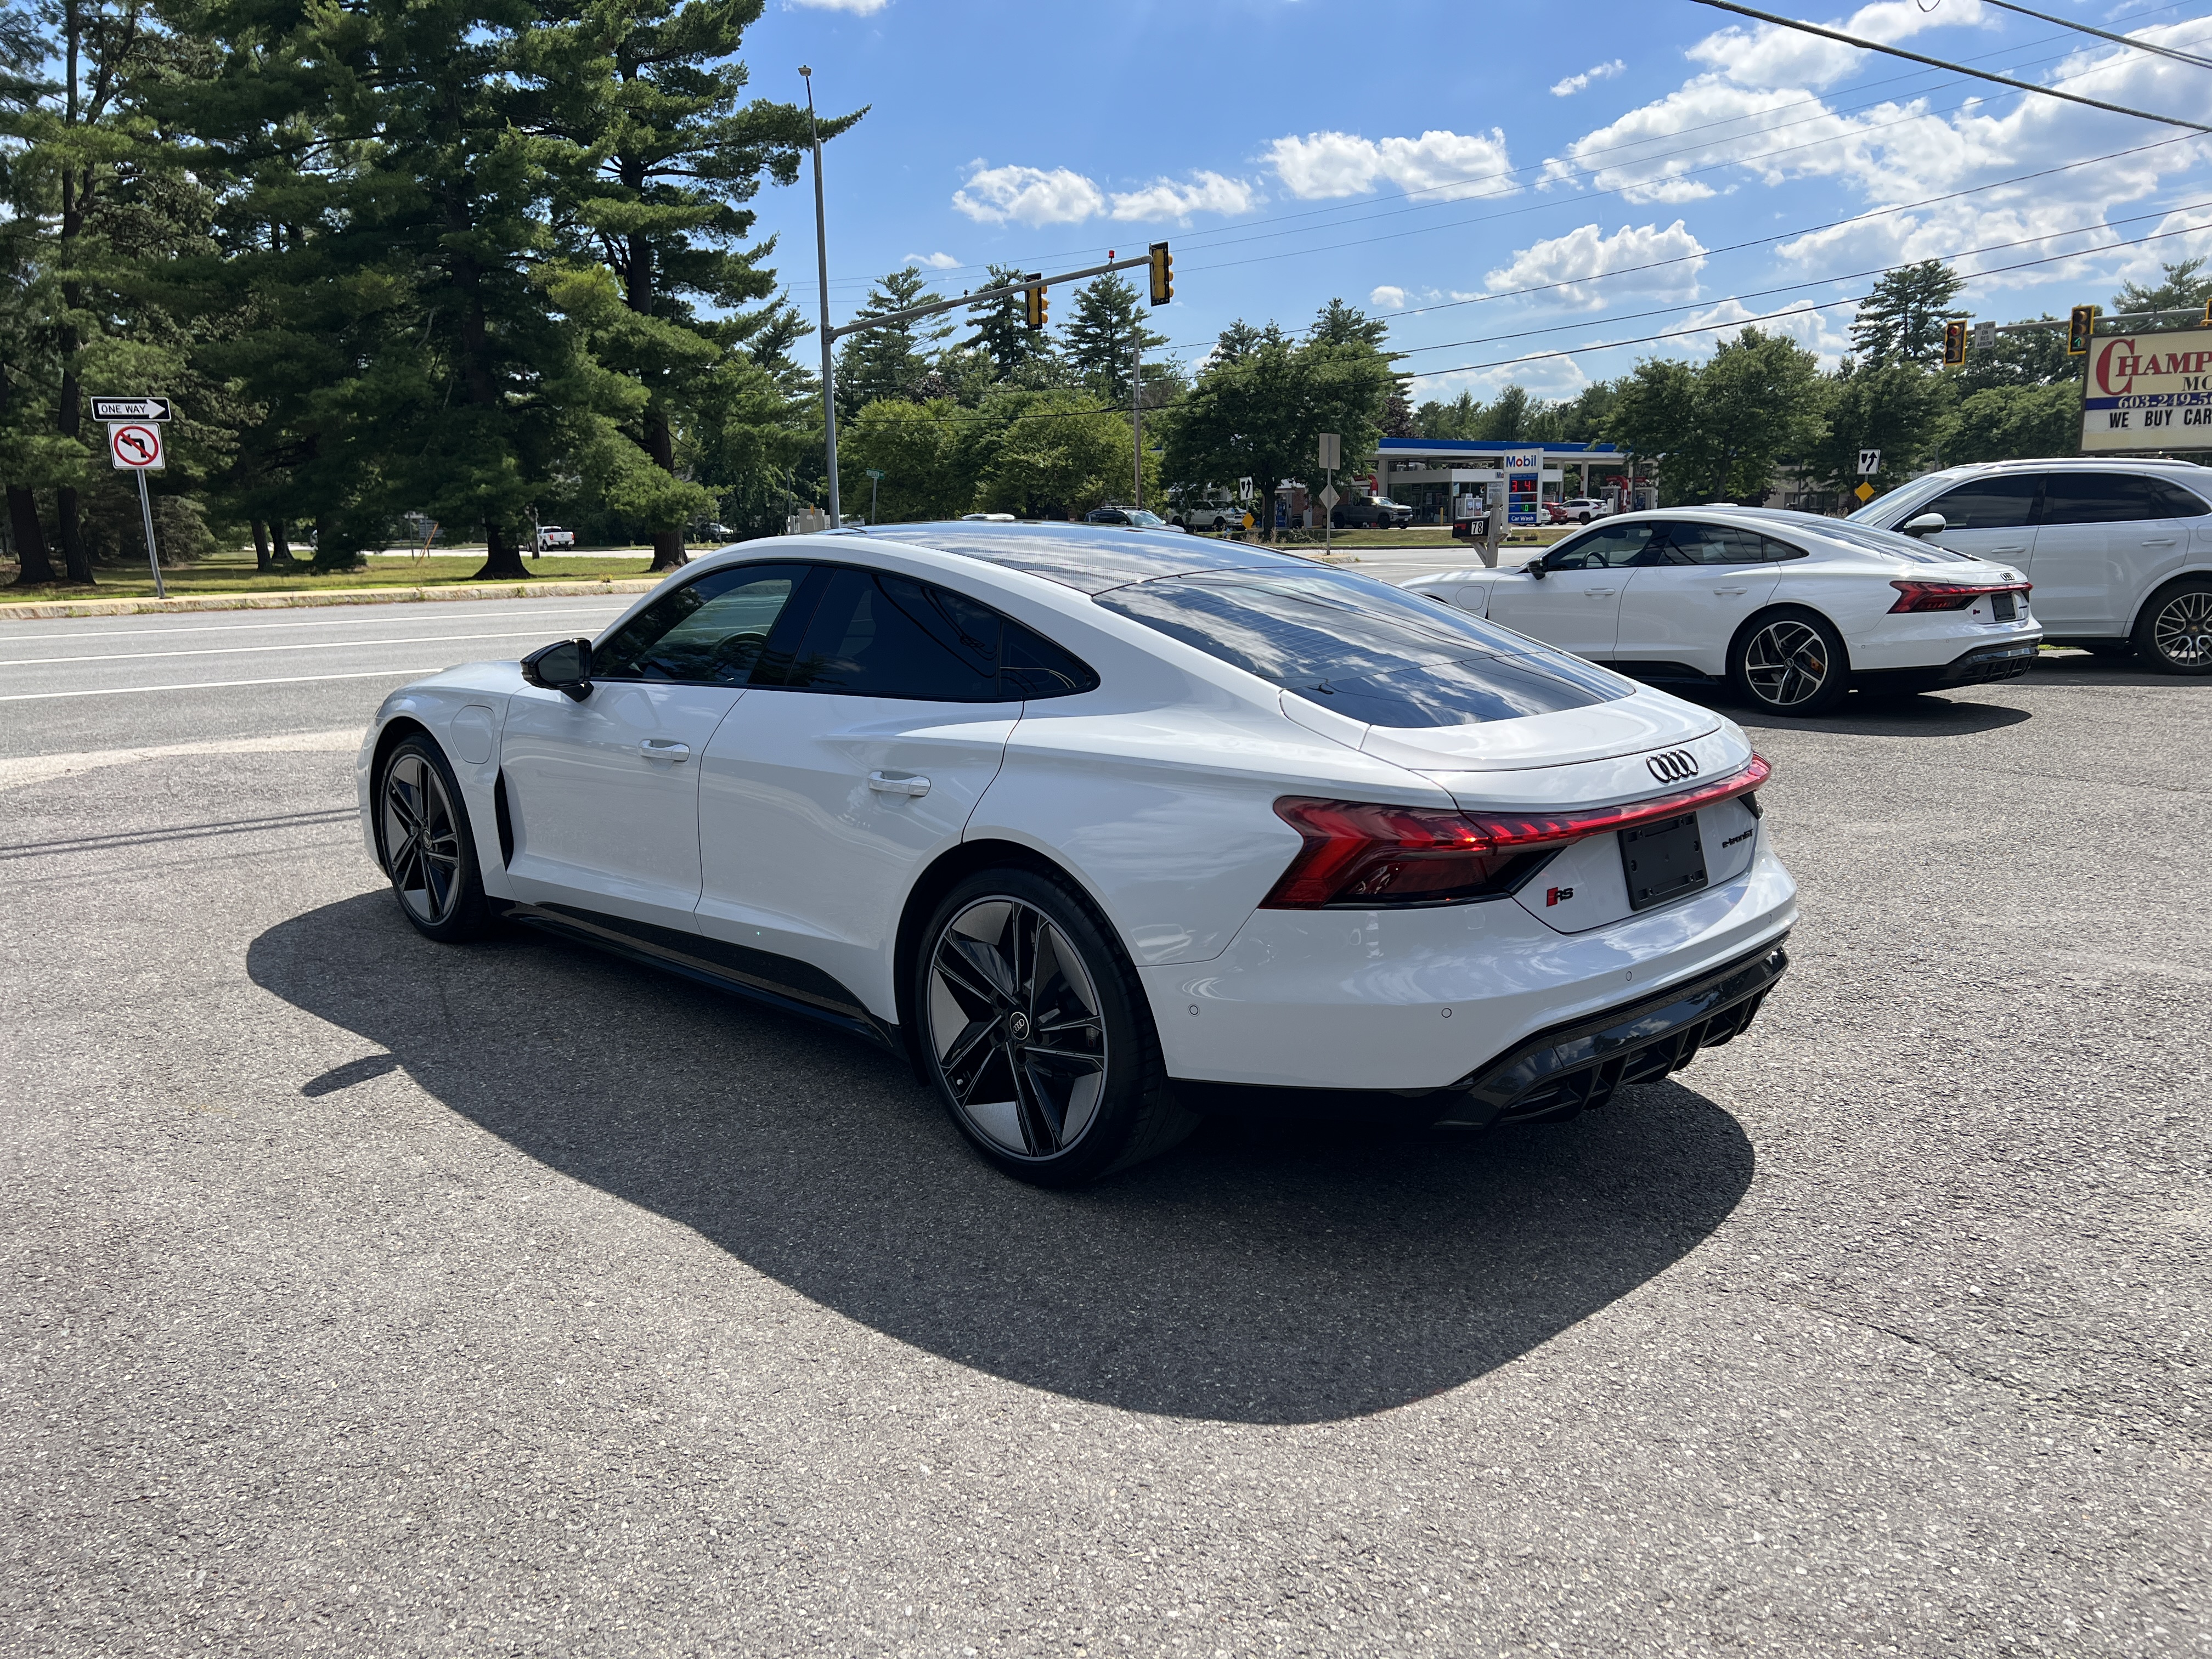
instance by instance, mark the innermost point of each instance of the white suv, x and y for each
(2119, 551)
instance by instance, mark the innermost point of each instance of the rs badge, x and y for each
(1553, 895)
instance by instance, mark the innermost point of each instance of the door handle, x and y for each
(2010, 547)
(1601, 593)
(2160, 541)
(666, 748)
(1731, 589)
(885, 784)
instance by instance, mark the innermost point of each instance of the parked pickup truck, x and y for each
(1370, 512)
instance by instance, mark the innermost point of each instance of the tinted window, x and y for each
(1713, 543)
(1370, 651)
(879, 635)
(1030, 665)
(1610, 545)
(2175, 502)
(1988, 503)
(707, 632)
(2110, 498)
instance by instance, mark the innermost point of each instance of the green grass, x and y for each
(234, 574)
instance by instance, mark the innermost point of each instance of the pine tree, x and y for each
(887, 363)
(1002, 328)
(1902, 319)
(2186, 288)
(1101, 335)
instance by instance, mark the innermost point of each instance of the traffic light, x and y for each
(2081, 328)
(1954, 342)
(1162, 274)
(1034, 307)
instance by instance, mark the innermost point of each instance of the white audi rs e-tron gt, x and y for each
(1106, 828)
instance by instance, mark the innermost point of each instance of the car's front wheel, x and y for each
(2175, 631)
(422, 828)
(1790, 662)
(1033, 1026)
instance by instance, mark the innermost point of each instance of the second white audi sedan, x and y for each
(1106, 829)
(1792, 609)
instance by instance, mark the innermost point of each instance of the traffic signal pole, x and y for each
(829, 334)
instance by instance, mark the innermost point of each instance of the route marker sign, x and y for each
(130, 409)
(135, 447)
(1869, 462)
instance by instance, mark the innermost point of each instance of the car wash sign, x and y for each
(2148, 392)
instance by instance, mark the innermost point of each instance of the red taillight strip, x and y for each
(1545, 828)
(1918, 596)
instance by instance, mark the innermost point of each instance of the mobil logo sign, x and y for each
(2148, 392)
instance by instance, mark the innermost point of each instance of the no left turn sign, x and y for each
(134, 446)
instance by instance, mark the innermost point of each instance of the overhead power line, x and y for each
(1945, 64)
(2105, 34)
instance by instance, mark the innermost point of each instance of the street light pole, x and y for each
(822, 261)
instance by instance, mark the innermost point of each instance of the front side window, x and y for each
(2111, 498)
(707, 632)
(2006, 503)
(1602, 547)
(1364, 648)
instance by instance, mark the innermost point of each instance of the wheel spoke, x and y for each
(1065, 1057)
(978, 1033)
(964, 965)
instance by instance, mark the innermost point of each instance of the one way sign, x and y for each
(130, 409)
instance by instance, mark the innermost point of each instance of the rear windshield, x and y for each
(1369, 651)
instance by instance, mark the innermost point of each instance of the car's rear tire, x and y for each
(1012, 956)
(428, 850)
(1790, 661)
(2174, 633)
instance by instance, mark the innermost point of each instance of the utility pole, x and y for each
(1137, 411)
(822, 262)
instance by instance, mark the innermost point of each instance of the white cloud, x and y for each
(1387, 298)
(1449, 165)
(857, 7)
(1766, 56)
(1206, 192)
(1574, 83)
(1579, 257)
(991, 196)
(932, 261)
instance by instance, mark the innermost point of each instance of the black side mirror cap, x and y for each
(564, 667)
(1536, 568)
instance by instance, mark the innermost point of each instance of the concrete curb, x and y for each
(531, 590)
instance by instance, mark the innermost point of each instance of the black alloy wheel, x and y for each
(2175, 633)
(423, 829)
(1790, 662)
(1033, 1026)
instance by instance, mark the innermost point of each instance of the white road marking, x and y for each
(218, 685)
(618, 603)
(247, 650)
(38, 769)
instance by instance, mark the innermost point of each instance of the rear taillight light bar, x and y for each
(1947, 596)
(1362, 856)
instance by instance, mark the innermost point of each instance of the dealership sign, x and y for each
(2148, 392)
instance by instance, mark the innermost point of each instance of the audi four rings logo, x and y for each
(1673, 766)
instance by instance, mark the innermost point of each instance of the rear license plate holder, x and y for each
(1663, 860)
(2004, 608)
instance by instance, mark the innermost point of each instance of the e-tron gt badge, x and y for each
(1673, 766)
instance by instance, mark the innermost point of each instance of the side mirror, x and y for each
(1928, 524)
(564, 667)
(1536, 567)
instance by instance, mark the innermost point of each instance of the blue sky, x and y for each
(1486, 184)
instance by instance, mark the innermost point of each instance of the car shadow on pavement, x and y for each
(1869, 714)
(1251, 1276)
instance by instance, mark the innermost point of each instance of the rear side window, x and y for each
(875, 634)
(1690, 543)
(1367, 650)
(2006, 503)
(2112, 498)
(2176, 503)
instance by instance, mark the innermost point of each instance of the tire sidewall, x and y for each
(1826, 698)
(1131, 1044)
(470, 915)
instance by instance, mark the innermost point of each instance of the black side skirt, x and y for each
(796, 987)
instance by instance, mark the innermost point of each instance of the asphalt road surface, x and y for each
(365, 1297)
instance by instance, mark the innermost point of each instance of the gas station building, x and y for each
(1430, 474)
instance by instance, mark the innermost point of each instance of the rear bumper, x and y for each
(1555, 1073)
(2006, 660)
